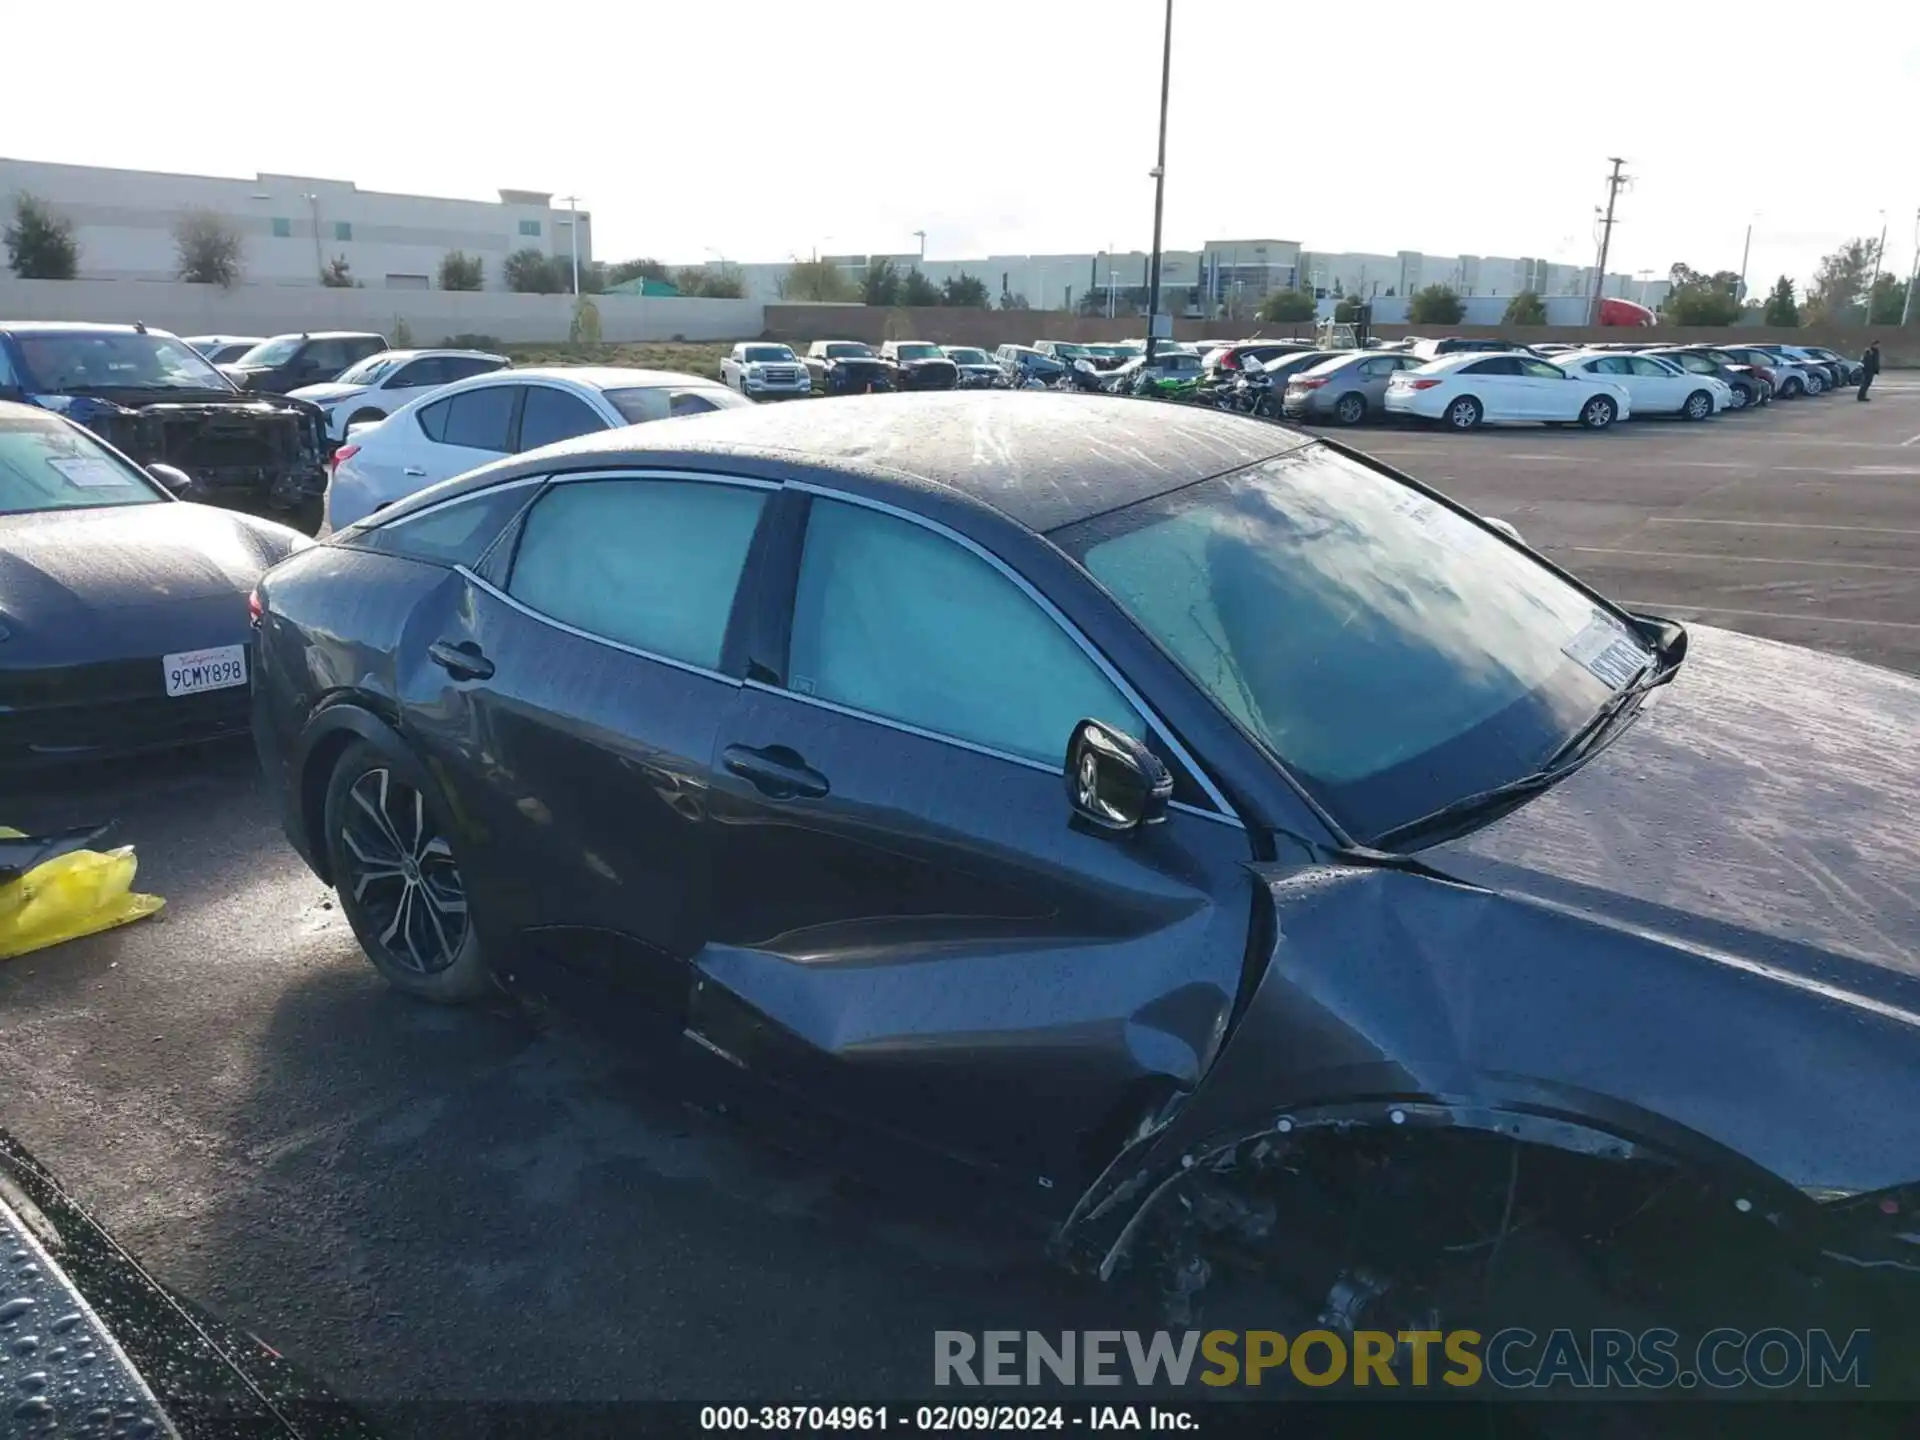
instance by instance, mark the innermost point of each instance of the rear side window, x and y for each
(457, 533)
(420, 373)
(433, 419)
(653, 564)
(551, 415)
(897, 621)
(480, 419)
(364, 346)
(1641, 365)
(459, 367)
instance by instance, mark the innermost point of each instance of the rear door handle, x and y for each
(464, 661)
(413, 470)
(776, 772)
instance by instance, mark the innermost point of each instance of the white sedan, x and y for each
(1653, 385)
(1469, 388)
(473, 422)
(373, 388)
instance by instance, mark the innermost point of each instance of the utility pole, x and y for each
(1879, 253)
(1913, 277)
(1614, 182)
(573, 230)
(1745, 251)
(1159, 187)
(923, 247)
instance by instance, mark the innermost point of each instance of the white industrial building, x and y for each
(1230, 277)
(290, 226)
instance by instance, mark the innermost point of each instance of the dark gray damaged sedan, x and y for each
(1226, 844)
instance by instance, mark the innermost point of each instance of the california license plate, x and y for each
(220, 667)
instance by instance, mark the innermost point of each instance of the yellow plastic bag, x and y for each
(76, 894)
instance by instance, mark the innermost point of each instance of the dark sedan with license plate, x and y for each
(123, 610)
(1202, 832)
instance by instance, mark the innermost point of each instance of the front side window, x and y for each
(1540, 369)
(1642, 365)
(47, 464)
(1392, 652)
(649, 563)
(271, 354)
(900, 622)
(479, 419)
(327, 355)
(376, 367)
(1499, 365)
(552, 415)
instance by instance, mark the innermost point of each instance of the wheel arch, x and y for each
(328, 734)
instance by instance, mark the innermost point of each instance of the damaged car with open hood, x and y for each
(1242, 855)
(157, 400)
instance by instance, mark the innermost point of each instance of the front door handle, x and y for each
(776, 772)
(464, 661)
(413, 470)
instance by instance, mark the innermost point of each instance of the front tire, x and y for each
(399, 884)
(1699, 406)
(1599, 413)
(1464, 414)
(1816, 384)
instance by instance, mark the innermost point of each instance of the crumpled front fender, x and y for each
(1395, 996)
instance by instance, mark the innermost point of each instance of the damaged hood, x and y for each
(1762, 803)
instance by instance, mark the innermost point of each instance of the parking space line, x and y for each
(1660, 605)
(1742, 559)
(1911, 440)
(1775, 525)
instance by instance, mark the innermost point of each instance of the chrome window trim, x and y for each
(397, 521)
(1159, 727)
(488, 587)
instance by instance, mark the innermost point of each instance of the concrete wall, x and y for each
(798, 324)
(289, 226)
(430, 315)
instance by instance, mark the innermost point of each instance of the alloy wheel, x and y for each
(1739, 401)
(1350, 410)
(400, 875)
(1598, 414)
(1698, 406)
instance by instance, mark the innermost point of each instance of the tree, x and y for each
(461, 271)
(724, 281)
(1347, 312)
(338, 275)
(1888, 299)
(881, 284)
(623, 271)
(1780, 311)
(965, 290)
(1435, 305)
(208, 249)
(1282, 305)
(819, 280)
(1010, 301)
(1526, 308)
(1705, 302)
(917, 289)
(529, 272)
(40, 243)
(1838, 283)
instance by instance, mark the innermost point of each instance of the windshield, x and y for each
(848, 350)
(371, 369)
(114, 360)
(269, 353)
(776, 354)
(1394, 654)
(1068, 352)
(47, 464)
(642, 403)
(918, 352)
(961, 355)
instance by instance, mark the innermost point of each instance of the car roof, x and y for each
(397, 354)
(1043, 461)
(328, 335)
(597, 377)
(81, 327)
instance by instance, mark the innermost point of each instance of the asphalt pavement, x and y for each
(419, 1203)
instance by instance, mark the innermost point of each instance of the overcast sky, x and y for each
(758, 130)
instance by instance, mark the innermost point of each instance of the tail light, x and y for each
(253, 607)
(1422, 384)
(1305, 382)
(345, 452)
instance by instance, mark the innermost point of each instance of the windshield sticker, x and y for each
(1607, 650)
(91, 473)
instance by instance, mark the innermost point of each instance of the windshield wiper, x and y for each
(1486, 805)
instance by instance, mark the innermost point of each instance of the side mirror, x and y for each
(1113, 781)
(173, 479)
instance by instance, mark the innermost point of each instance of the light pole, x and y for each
(1913, 277)
(921, 235)
(1159, 188)
(319, 260)
(573, 232)
(1746, 250)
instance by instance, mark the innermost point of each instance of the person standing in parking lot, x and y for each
(1869, 367)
